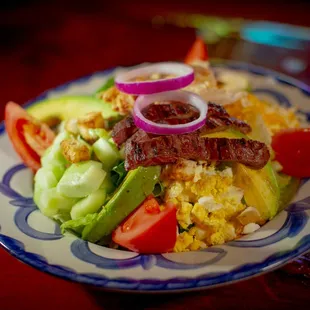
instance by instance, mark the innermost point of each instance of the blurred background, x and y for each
(45, 43)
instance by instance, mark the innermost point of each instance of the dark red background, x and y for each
(44, 45)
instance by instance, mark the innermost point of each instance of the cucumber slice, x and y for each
(88, 205)
(51, 203)
(53, 153)
(81, 179)
(62, 218)
(106, 153)
(85, 143)
(57, 168)
(45, 178)
(98, 132)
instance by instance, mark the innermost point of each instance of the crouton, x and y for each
(71, 126)
(75, 151)
(121, 102)
(91, 120)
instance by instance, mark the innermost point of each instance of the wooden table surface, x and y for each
(44, 45)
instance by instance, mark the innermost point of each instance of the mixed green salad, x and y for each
(164, 158)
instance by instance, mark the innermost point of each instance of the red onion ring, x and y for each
(166, 129)
(184, 76)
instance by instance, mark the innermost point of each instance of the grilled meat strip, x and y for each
(123, 130)
(179, 113)
(143, 149)
(218, 119)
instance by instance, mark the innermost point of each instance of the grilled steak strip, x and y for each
(147, 150)
(179, 113)
(218, 119)
(123, 130)
(171, 112)
(164, 113)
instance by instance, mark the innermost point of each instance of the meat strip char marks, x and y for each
(179, 113)
(143, 149)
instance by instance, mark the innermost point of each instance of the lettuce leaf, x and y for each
(109, 83)
(158, 189)
(78, 225)
(118, 174)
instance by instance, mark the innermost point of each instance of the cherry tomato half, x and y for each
(29, 137)
(198, 51)
(149, 229)
(292, 151)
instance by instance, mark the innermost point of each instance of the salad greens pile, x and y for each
(83, 196)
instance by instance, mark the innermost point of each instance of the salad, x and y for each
(165, 157)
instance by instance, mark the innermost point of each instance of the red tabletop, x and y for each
(42, 46)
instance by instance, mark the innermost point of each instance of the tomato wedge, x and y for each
(29, 137)
(198, 51)
(149, 229)
(292, 151)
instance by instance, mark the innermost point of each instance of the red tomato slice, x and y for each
(198, 51)
(292, 151)
(30, 137)
(148, 229)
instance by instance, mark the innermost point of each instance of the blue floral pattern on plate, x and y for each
(26, 207)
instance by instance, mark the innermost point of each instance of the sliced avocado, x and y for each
(53, 154)
(288, 187)
(137, 185)
(67, 107)
(228, 133)
(261, 189)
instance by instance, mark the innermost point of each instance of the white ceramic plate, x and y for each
(36, 240)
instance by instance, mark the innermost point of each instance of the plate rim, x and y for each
(17, 249)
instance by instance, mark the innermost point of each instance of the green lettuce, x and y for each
(78, 225)
(118, 174)
(108, 84)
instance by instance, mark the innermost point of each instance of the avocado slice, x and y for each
(261, 189)
(228, 133)
(288, 187)
(67, 107)
(136, 186)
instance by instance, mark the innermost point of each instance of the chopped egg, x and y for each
(250, 228)
(249, 215)
(184, 214)
(200, 233)
(184, 240)
(209, 203)
(230, 232)
(206, 200)
(197, 245)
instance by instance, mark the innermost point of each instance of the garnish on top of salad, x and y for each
(165, 157)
